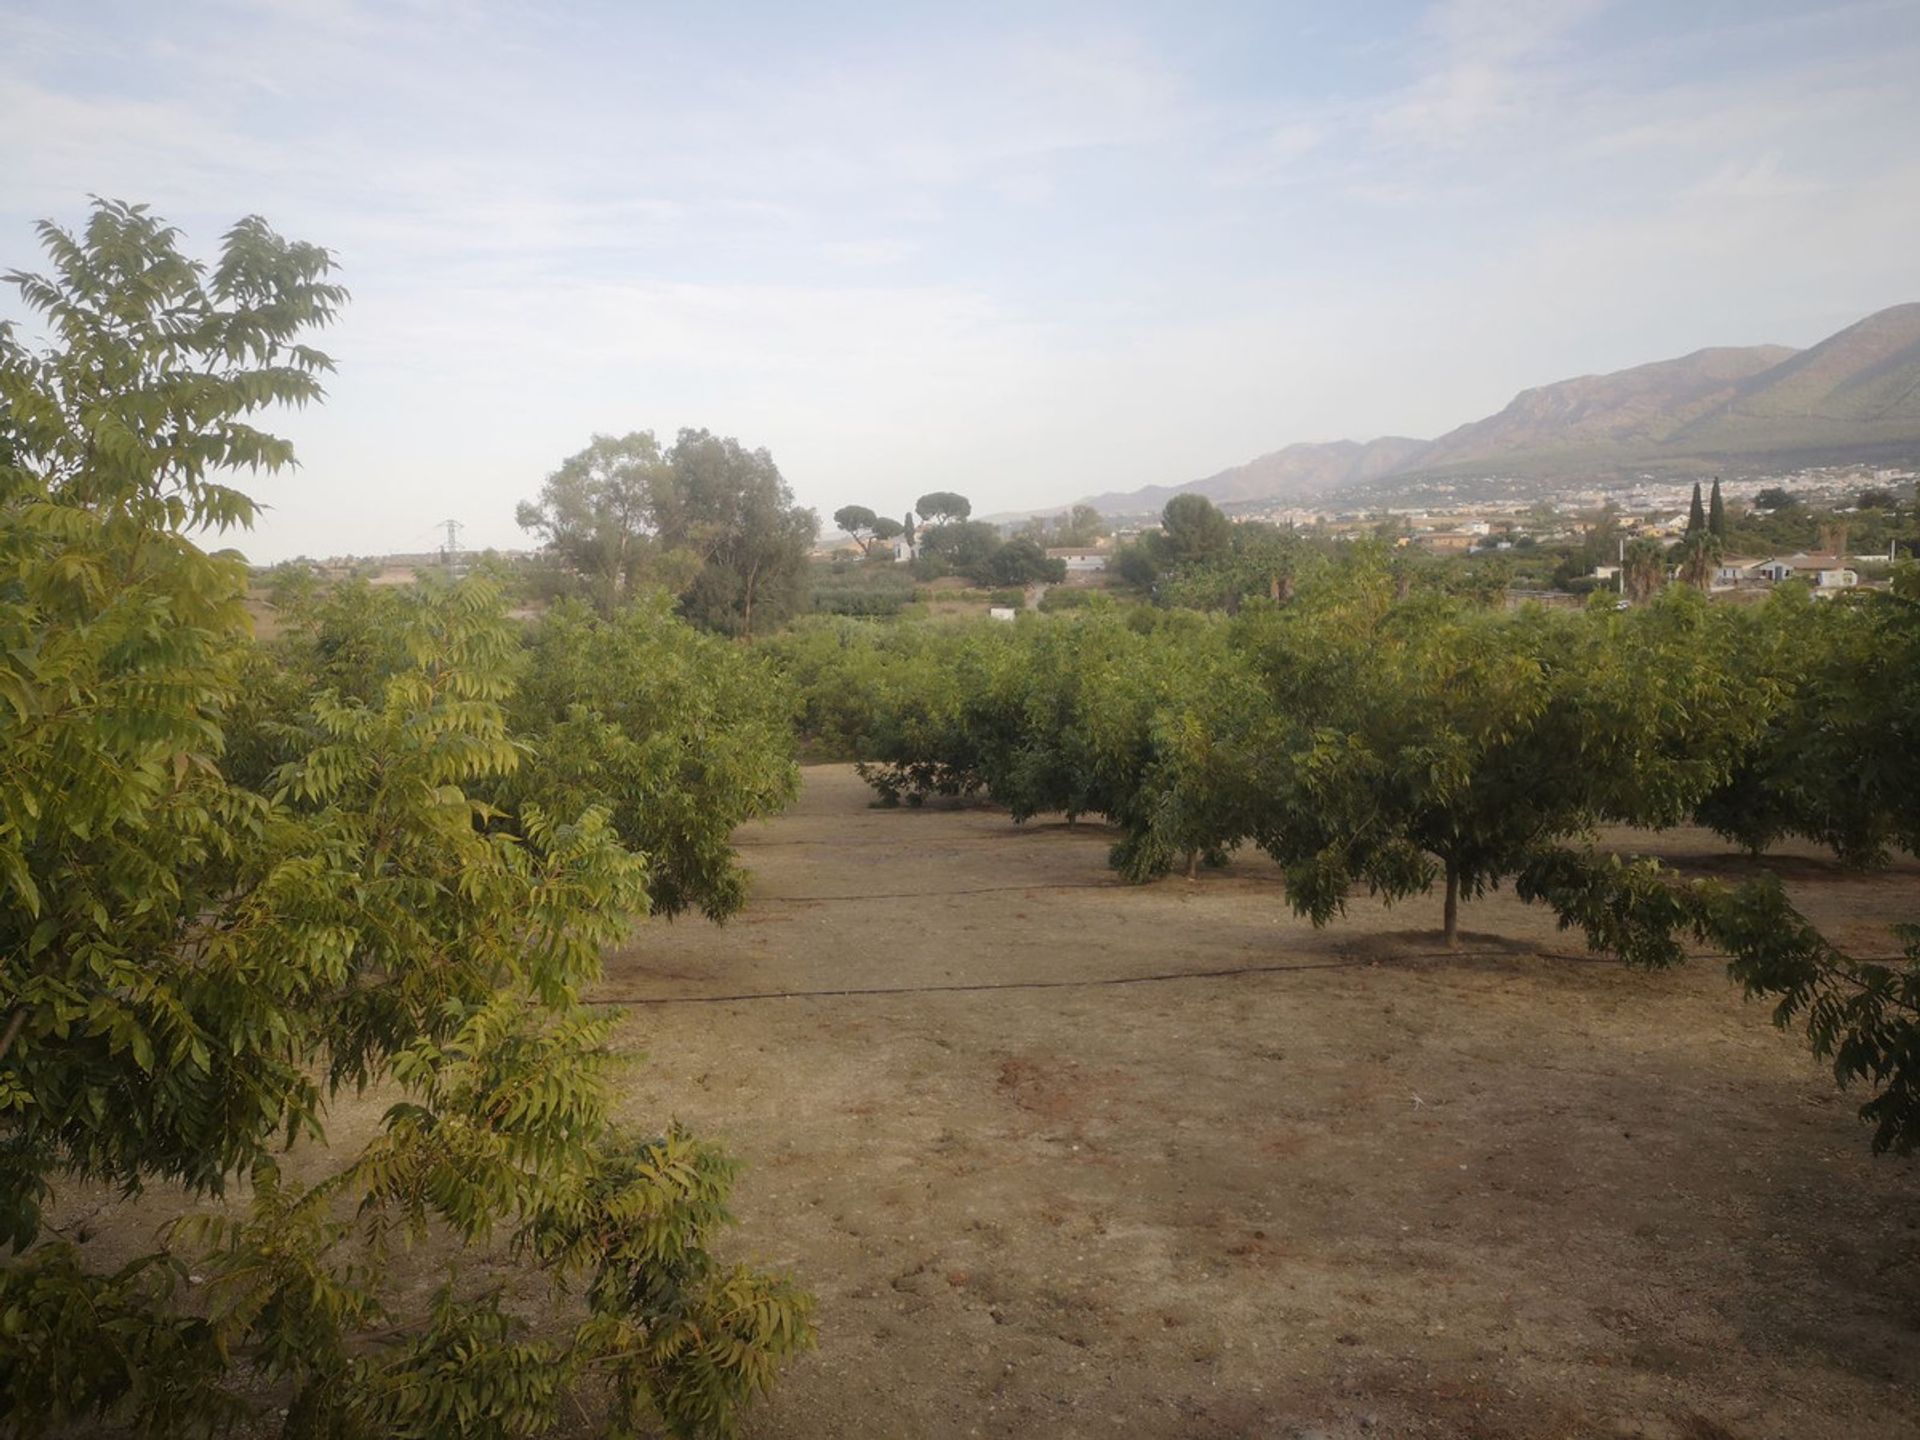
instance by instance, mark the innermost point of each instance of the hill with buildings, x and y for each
(1855, 396)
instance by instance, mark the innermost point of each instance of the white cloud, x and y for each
(1486, 66)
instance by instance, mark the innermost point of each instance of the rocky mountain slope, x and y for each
(1855, 395)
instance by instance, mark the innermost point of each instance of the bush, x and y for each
(870, 590)
(1060, 598)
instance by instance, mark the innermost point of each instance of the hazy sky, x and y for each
(1022, 251)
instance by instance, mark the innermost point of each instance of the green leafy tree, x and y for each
(1080, 526)
(1193, 534)
(707, 519)
(871, 692)
(1262, 563)
(1020, 561)
(1193, 529)
(1101, 712)
(1419, 741)
(598, 513)
(943, 507)
(859, 522)
(1696, 558)
(1696, 513)
(682, 736)
(197, 965)
(965, 547)
(1168, 727)
(1138, 564)
(733, 508)
(869, 531)
(1717, 514)
(1644, 570)
(1837, 688)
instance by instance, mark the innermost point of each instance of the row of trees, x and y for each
(677, 734)
(1199, 559)
(389, 853)
(706, 519)
(1379, 735)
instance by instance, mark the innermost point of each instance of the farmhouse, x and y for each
(1828, 572)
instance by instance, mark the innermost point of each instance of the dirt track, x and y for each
(1384, 1193)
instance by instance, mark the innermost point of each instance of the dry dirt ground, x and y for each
(1378, 1191)
(1058, 1173)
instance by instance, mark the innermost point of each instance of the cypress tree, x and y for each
(1716, 512)
(1697, 516)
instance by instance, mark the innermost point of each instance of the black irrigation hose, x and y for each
(1099, 981)
(1111, 981)
(1091, 830)
(939, 894)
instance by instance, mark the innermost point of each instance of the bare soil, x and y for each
(1367, 1189)
(1065, 1157)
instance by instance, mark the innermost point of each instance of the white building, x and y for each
(1078, 559)
(1826, 572)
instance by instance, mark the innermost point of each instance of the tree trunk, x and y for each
(1193, 864)
(1451, 923)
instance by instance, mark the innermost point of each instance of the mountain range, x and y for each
(1855, 396)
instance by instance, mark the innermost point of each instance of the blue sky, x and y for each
(1027, 252)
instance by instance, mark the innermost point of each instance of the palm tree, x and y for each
(1696, 557)
(1644, 568)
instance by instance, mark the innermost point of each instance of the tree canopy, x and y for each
(733, 508)
(859, 522)
(1194, 529)
(199, 964)
(943, 507)
(706, 518)
(599, 514)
